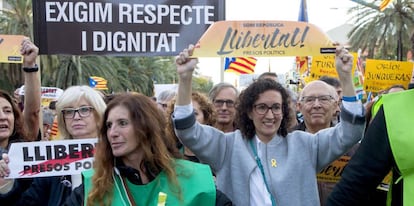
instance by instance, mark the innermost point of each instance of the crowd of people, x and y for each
(227, 147)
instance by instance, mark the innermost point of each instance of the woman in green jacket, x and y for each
(136, 163)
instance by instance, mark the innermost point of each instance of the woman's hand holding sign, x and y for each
(185, 67)
(185, 64)
(4, 168)
(5, 184)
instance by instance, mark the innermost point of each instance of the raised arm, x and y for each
(344, 61)
(32, 86)
(185, 67)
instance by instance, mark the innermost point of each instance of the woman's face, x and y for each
(120, 133)
(6, 121)
(80, 121)
(267, 121)
(198, 113)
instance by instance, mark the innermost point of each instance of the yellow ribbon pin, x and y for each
(274, 163)
(162, 199)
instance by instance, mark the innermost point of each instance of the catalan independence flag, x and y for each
(240, 65)
(302, 63)
(384, 4)
(98, 83)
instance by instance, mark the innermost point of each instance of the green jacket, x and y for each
(195, 181)
(399, 113)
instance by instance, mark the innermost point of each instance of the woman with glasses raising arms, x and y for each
(261, 163)
(80, 111)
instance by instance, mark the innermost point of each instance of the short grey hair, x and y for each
(166, 95)
(218, 87)
(74, 94)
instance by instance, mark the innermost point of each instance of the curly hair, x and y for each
(19, 133)
(149, 127)
(205, 106)
(250, 95)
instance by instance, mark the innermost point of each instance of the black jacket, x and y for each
(20, 185)
(367, 167)
(45, 191)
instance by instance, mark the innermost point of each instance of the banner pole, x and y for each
(222, 69)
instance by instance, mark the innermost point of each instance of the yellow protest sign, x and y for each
(381, 74)
(263, 39)
(332, 173)
(324, 65)
(10, 48)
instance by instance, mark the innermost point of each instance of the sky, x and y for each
(325, 14)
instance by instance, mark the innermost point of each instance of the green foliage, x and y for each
(202, 85)
(381, 33)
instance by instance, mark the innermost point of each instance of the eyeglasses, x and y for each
(263, 108)
(220, 103)
(323, 99)
(69, 113)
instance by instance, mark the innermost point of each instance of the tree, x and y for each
(202, 85)
(17, 20)
(384, 35)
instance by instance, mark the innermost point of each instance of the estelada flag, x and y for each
(98, 83)
(54, 133)
(240, 65)
(384, 4)
(302, 64)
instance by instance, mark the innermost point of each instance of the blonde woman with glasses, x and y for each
(79, 111)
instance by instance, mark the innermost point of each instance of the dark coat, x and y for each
(44, 191)
(367, 168)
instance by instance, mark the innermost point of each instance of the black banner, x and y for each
(122, 27)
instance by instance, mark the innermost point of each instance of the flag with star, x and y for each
(98, 83)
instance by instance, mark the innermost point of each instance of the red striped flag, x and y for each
(240, 65)
(54, 133)
(302, 63)
(384, 4)
(360, 70)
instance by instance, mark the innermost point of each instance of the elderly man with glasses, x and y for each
(317, 103)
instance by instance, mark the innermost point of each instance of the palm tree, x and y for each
(384, 35)
(65, 70)
(17, 20)
(147, 71)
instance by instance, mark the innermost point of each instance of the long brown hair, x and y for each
(19, 133)
(149, 125)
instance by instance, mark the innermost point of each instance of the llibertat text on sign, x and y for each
(51, 158)
(263, 39)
